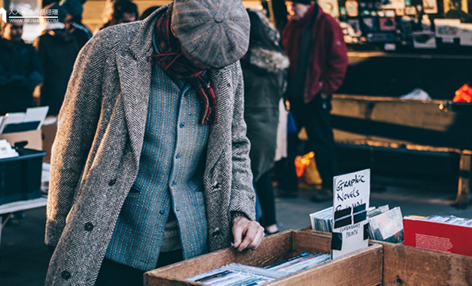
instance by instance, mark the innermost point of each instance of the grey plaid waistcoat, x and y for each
(170, 178)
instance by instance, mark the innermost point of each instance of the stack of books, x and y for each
(450, 219)
(238, 274)
(445, 233)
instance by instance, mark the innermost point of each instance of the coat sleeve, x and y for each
(337, 60)
(242, 192)
(77, 125)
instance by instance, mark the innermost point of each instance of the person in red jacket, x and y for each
(314, 42)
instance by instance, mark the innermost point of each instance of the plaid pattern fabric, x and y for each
(173, 62)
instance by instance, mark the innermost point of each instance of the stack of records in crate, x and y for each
(238, 274)
(299, 262)
(322, 220)
(385, 224)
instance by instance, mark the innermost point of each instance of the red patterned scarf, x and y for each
(173, 62)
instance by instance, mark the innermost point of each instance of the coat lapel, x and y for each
(135, 82)
(220, 79)
(135, 73)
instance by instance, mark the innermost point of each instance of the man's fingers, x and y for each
(247, 234)
(238, 230)
(252, 231)
(257, 240)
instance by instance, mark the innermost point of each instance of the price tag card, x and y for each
(351, 195)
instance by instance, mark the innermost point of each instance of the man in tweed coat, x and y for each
(151, 142)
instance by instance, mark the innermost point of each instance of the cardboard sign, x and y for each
(424, 40)
(448, 29)
(351, 197)
(392, 4)
(430, 6)
(465, 34)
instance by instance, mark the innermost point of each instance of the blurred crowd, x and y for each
(49, 60)
(292, 68)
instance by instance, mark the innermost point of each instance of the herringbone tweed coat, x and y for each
(97, 149)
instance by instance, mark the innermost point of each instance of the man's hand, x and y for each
(247, 234)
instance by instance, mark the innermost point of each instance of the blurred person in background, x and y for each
(148, 12)
(74, 10)
(264, 73)
(20, 73)
(123, 11)
(20, 68)
(280, 12)
(314, 42)
(57, 50)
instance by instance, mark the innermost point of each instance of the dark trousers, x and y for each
(116, 274)
(265, 193)
(285, 172)
(315, 117)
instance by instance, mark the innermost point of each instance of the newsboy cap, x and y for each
(214, 32)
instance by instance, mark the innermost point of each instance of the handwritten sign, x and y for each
(351, 195)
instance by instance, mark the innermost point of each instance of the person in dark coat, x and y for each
(124, 11)
(314, 42)
(74, 10)
(148, 12)
(20, 69)
(57, 50)
(264, 77)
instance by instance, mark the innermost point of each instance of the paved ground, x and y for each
(24, 257)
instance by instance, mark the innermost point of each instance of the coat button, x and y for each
(162, 212)
(112, 182)
(216, 231)
(65, 275)
(88, 226)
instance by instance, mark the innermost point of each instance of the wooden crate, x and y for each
(363, 267)
(406, 265)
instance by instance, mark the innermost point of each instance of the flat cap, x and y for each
(214, 32)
